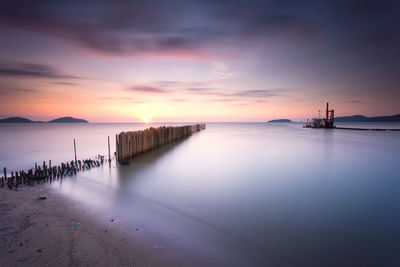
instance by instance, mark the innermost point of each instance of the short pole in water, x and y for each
(109, 155)
(75, 150)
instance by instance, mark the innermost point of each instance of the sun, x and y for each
(146, 119)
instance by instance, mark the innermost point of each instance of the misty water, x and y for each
(239, 193)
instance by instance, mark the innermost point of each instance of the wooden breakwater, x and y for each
(130, 144)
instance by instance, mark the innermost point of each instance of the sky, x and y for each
(198, 60)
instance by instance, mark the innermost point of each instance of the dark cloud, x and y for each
(259, 19)
(30, 70)
(383, 38)
(123, 27)
(280, 25)
(14, 90)
(114, 27)
(65, 83)
(120, 44)
(369, 8)
(147, 89)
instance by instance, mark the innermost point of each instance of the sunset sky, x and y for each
(198, 60)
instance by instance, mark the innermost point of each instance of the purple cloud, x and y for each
(30, 70)
(147, 89)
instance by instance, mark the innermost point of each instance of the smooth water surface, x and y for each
(261, 194)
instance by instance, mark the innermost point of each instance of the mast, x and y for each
(327, 113)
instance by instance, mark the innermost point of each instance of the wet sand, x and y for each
(57, 231)
(62, 231)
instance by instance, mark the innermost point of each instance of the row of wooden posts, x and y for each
(48, 173)
(130, 144)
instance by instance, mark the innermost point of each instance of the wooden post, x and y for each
(5, 173)
(75, 150)
(50, 170)
(116, 148)
(109, 155)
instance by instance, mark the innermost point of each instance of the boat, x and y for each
(318, 122)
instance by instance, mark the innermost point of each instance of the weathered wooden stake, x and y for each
(75, 150)
(109, 155)
(116, 148)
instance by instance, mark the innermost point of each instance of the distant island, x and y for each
(361, 118)
(68, 120)
(18, 120)
(280, 120)
(59, 120)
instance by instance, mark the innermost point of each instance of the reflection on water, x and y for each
(278, 193)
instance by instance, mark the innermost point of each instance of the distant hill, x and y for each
(361, 118)
(354, 118)
(18, 120)
(68, 120)
(280, 120)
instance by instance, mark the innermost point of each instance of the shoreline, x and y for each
(62, 231)
(58, 231)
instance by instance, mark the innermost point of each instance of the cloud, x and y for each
(30, 70)
(15, 90)
(179, 84)
(147, 89)
(111, 27)
(259, 93)
(131, 27)
(354, 101)
(196, 89)
(262, 93)
(224, 100)
(381, 38)
(368, 8)
(279, 25)
(65, 83)
(220, 71)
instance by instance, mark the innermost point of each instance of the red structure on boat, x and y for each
(327, 122)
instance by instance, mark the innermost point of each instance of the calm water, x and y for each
(240, 194)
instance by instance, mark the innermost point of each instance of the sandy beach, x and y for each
(57, 231)
(62, 231)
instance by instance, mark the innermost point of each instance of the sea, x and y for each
(237, 194)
